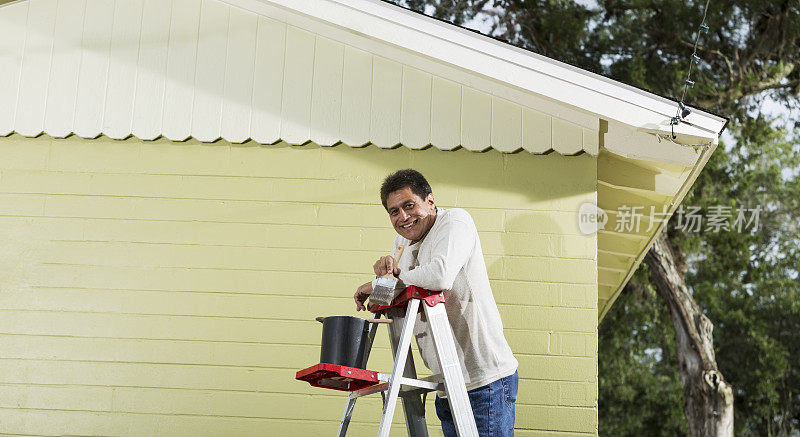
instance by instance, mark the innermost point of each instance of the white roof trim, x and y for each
(210, 70)
(502, 62)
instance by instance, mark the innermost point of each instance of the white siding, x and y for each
(93, 74)
(35, 68)
(205, 69)
(239, 76)
(12, 41)
(209, 79)
(121, 77)
(151, 69)
(181, 59)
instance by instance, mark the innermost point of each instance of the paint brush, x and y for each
(383, 292)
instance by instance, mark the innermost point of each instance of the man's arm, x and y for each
(451, 250)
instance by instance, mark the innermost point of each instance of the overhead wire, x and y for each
(682, 111)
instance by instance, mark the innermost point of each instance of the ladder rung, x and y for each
(366, 391)
(414, 392)
(380, 388)
(433, 378)
(419, 383)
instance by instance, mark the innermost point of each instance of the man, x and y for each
(443, 252)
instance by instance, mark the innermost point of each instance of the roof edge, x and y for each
(494, 59)
(505, 44)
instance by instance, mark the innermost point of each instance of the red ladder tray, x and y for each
(337, 377)
(431, 298)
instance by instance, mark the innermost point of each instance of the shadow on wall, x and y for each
(548, 180)
(530, 237)
(526, 204)
(527, 200)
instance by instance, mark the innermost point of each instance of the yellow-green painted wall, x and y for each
(170, 288)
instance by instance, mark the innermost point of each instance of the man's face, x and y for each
(411, 216)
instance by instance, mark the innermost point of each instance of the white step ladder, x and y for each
(403, 381)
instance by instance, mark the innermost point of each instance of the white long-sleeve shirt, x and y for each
(450, 258)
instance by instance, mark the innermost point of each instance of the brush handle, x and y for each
(398, 253)
(386, 321)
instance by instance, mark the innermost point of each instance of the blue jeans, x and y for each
(492, 406)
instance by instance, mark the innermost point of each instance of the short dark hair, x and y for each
(405, 178)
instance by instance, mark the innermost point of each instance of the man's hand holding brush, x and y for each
(382, 267)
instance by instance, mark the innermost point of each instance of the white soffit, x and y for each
(637, 181)
(638, 169)
(489, 58)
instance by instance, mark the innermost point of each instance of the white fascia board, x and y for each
(637, 144)
(499, 61)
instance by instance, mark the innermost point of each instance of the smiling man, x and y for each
(443, 252)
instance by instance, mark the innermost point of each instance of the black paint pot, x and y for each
(345, 341)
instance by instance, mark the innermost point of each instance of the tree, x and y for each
(746, 282)
(708, 397)
(759, 310)
(750, 56)
(640, 390)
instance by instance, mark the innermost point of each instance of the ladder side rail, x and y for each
(413, 407)
(373, 329)
(455, 387)
(403, 348)
(351, 399)
(348, 413)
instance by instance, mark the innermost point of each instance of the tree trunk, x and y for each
(707, 397)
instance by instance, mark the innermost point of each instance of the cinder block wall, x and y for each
(170, 288)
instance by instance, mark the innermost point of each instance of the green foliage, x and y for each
(640, 390)
(746, 283)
